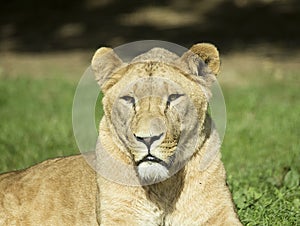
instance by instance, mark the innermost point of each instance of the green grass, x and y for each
(260, 149)
(35, 121)
(261, 152)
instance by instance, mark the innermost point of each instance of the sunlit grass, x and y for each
(261, 152)
(36, 121)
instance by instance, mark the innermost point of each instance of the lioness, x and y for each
(156, 121)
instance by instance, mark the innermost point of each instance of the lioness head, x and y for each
(155, 106)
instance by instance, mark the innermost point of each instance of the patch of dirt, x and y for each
(242, 68)
(237, 69)
(70, 64)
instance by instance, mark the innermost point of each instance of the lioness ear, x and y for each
(209, 56)
(104, 63)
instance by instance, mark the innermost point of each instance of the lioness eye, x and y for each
(128, 99)
(173, 97)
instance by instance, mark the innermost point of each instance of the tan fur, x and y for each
(66, 191)
(59, 191)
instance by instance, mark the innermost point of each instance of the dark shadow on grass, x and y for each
(56, 25)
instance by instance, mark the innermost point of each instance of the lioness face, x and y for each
(155, 119)
(155, 109)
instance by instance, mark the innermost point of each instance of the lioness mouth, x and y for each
(151, 158)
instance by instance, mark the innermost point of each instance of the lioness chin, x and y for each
(156, 122)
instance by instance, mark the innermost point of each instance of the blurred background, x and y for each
(45, 46)
(233, 25)
(36, 35)
(50, 30)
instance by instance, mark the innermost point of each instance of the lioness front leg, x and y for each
(125, 205)
(126, 213)
(227, 217)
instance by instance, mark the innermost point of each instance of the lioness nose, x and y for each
(148, 141)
